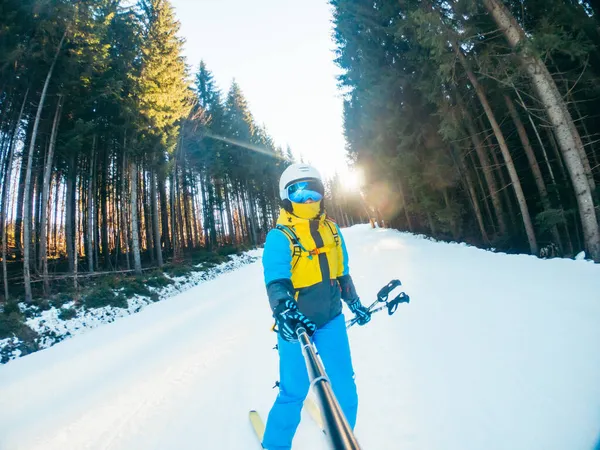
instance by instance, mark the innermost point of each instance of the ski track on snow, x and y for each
(494, 352)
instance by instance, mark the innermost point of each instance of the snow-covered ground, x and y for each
(494, 352)
(51, 328)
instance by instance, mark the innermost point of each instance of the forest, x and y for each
(472, 121)
(114, 156)
(477, 120)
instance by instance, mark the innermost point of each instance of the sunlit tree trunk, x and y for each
(43, 251)
(155, 218)
(124, 215)
(253, 219)
(27, 206)
(174, 221)
(135, 239)
(57, 201)
(147, 213)
(186, 210)
(6, 190)
(179, 208)
(104, 209)
(90, 210)
(164, 210)
(70, 217)
(229, 214)
(205, 209)
(195, 221)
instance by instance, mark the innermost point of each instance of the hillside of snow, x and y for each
(494, 352)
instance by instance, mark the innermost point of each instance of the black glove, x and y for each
(288, 318)
(362, 313)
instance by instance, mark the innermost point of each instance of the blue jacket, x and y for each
(307, 260)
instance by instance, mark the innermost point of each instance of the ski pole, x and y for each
(391, 306)
(337, 428)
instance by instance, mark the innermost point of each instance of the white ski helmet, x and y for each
(294, 173)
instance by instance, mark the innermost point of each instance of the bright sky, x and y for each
(281, 53)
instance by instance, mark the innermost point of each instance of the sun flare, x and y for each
(352, 179)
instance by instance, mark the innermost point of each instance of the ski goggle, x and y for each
(303, 191)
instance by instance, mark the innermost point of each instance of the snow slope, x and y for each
(494, 351)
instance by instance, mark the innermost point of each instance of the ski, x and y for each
(314, 412)
(257, 425)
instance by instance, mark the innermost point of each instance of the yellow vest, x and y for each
(306, 269)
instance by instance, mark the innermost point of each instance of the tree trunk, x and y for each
(186, 209)
(43, 250)
(535, 168)
(505, 153)
(232, 237)
(484, 196)
(70, 219)
(179, 208)
(264, 206)
(104, 210)
(539, 139)
(7, 145)
(95, 217)
(20, 202)
(154, 205)
(504, 183)
(27, 206)
(590, 142)
(90, 211)
(465, 176)
(448, 204)
(164, 210)
(75, 244)
(405, 206)
(431, 223)
(206, 224)
(253, 220)
(564, 129)
(55, 224)
(246, 214)
(125, 223)
(174, 222)
(6, 189)
(36, 194)
(137, 261)
(475, 204)
(115, 211)
(194, 187)
(147, 211)
(486, 168)
(211, 211)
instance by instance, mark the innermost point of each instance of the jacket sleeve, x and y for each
(349, 294)
(277, 267)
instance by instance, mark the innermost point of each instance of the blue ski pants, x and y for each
(332, 344)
